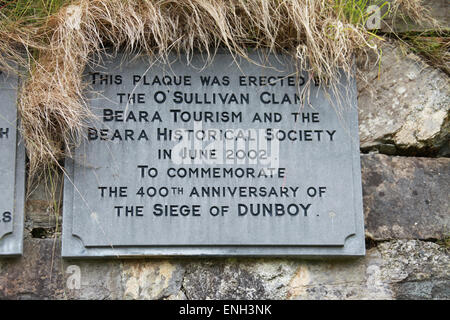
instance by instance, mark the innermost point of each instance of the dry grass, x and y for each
(319, 33)
(414, 10)
(433, 48)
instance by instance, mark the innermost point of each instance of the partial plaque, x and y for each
(12, 171)
(229, 159)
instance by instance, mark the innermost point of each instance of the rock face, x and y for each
(438, 10)
(400, 269)
(35, 276)
(406, 198)
(151, 280)
(404, 106)
(416, 270)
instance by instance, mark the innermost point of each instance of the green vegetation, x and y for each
(356, 11)
(445, 242)
(434, 47)
(29, 11)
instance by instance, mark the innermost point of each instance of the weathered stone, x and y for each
(43, 206)
(438, 10)
(416, 269)
(382, 274)
(219, 279)
(405, 198)
(41, 214)
(335, 280)
(99, 280)
(280, 279)
(275, 275)
(422, 290)
(41, 274)
(405, 104)
(35, 275)
(152, 280)
(413, 260)
(397, 269)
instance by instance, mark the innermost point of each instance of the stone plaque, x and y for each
(12, 171)
(232, 158)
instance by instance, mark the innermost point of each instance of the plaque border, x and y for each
(354, 246)
(12, 243)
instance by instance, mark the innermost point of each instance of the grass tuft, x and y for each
(435, 48)
(53, 41)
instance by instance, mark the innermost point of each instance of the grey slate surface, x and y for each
(333, 225)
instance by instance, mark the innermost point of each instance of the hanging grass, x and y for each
(54, 40)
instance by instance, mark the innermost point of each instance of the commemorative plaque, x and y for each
(12, 171)
(232, 158)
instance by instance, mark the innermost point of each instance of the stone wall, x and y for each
(404, 131)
